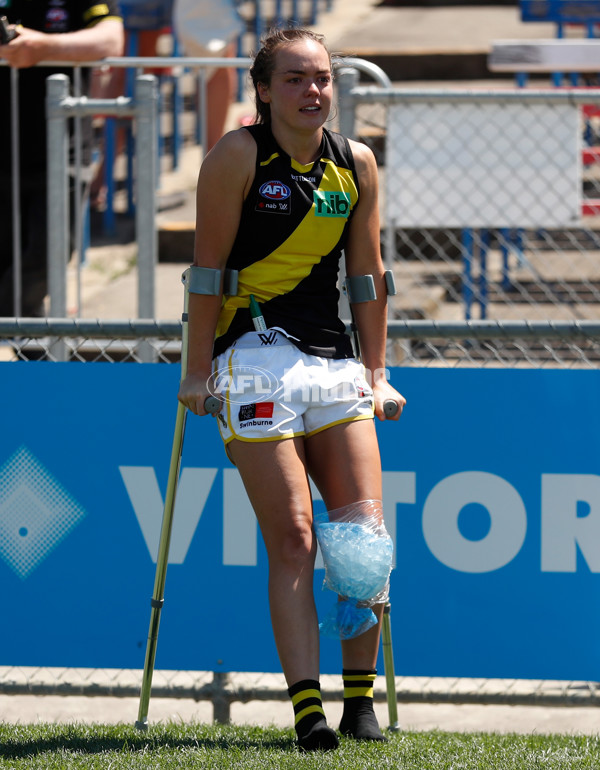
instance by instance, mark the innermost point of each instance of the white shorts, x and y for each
(272, 390)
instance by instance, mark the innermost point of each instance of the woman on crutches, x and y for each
(277, 202)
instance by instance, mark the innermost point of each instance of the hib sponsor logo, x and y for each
(275, 191)
(331, 204)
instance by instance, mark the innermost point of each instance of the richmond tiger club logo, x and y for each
(275, 198)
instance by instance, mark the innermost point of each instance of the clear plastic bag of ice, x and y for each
(346, 619)
(357, 553)
(357, 560)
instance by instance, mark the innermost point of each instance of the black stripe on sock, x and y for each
(301, 705)
(304, 684)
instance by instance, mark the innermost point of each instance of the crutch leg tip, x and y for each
(394, 728)
(143, 725)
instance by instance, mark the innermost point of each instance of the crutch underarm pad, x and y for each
(207, 280)
(203, 280)
(230, 284)
(360, 288)
(390, 283)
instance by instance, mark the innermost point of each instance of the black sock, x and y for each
(310, 723)
(359, 720)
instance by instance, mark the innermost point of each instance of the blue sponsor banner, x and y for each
(561, 11)
(491, 493)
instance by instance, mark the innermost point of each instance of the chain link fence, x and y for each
(423, 343)
(489, 199)
(223, 689)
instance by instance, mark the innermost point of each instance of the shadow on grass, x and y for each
(67, 739)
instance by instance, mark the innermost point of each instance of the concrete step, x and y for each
(431, 65)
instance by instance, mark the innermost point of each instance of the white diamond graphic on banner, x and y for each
(36, 512)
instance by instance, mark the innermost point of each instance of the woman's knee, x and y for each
(295, 547)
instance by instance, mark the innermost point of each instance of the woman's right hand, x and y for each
(193, 392)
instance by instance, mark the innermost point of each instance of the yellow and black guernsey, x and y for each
(292, 231)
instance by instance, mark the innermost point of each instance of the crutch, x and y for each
(388, 664)
(212, 406)
(366, 292)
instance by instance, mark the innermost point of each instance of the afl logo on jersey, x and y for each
(278, 198)
(57, 20)
(275, 191)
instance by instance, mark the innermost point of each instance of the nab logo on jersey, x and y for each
(331, 204)
(275, 191)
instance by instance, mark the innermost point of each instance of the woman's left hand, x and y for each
(383, 393)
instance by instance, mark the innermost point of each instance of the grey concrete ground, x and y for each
(423, 703)
(445, 29)
(419, 716)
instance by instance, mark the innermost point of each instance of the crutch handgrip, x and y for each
(390, 407)
(212, 404)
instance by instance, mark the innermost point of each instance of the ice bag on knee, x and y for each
(357, 552)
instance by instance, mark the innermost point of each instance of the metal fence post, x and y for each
(146, 155)
(146, 98)
(220, 699)
(58, 198)
(347, 79)
(16, 191)
(202, 110)
(57, 91)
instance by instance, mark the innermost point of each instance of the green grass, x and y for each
(178, 745)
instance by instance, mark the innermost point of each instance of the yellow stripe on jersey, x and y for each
(268, 160)
(292, 261)
(102, 19)
(96, 10)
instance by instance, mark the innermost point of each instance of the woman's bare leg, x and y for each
(274, 475)
(345, 465)
(220, 94)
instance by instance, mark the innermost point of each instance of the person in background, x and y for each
(278, 202)
(148, 32)
(72, 31)
(211, 28)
